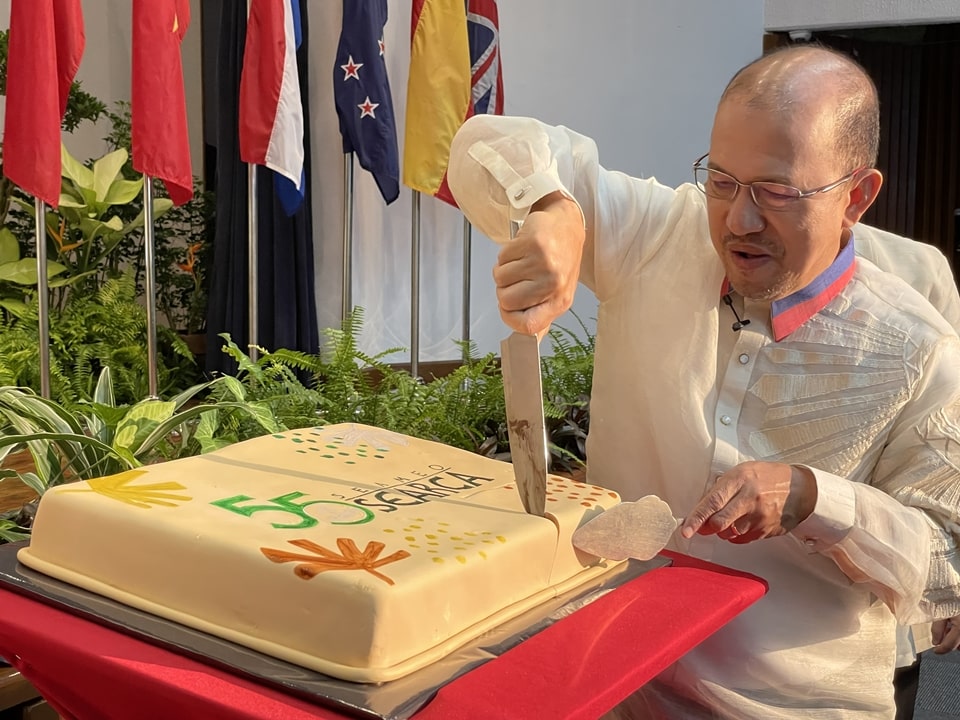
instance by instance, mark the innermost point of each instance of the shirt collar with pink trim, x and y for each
(789, 313)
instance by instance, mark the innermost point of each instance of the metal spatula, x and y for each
(638, 530)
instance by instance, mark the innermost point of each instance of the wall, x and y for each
(640, 76)
(822, 14)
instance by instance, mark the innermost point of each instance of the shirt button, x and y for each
(744, 359)
(726, 419)
(810, 542)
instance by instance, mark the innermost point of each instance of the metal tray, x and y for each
(395, 700)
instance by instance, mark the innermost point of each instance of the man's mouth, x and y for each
(748, 254)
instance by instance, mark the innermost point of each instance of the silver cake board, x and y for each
(395, 700)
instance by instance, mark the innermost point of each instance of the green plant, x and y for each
(104, 438)
(104, 329)
(87, 228)
(464, 409)
(18, 276)
(345, 384)
(567, 381)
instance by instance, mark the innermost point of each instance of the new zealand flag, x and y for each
(486, 79)
(362, 94)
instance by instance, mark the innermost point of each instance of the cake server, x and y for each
(523, 396)
(638, 530)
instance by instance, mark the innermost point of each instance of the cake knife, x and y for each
(638, 530)
(523, 396)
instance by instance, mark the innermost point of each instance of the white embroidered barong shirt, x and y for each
(866, 393)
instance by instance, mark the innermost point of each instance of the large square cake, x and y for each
(357, 552)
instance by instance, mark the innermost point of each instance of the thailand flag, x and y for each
(271, 112)
(486, 79)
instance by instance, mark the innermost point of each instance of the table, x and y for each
(577, 668)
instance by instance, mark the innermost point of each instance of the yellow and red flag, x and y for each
(438, 93)
(45, 47)
(161, 145)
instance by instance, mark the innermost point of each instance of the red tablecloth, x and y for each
(579, 667)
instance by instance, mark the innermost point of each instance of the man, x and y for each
(801, 408)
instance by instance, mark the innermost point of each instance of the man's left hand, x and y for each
(946, 635)
(754, 500)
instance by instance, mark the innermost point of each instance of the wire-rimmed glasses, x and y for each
(766, 195)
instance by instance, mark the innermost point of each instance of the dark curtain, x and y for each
(287, 313)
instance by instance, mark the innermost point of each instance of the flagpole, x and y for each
(465, 301)
(252, 238)
(346, 292)
(415, 288)
(43, 298)
(150, 263)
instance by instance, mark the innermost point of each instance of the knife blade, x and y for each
(526, 429)
(523, 395)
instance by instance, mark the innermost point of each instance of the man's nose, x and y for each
(744, 217)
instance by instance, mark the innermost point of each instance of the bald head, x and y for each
(809, 80)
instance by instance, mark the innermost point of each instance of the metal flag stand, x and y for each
(465, 297)
(43, 298)
(252, 240)
(415, 288)
(150, 281)
(346, 292)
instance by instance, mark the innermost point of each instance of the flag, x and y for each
(454, 73)
(271, 112)
(161, 147)
(38, 84)
(438, 92)
(362, 94)
(486, 77)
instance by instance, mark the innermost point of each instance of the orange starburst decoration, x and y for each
(349, 558)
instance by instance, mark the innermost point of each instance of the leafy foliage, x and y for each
(567, 380)
(464, 409)
(105, 329)
(345, 384)
(85, 232)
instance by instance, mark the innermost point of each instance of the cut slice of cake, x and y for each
(354, 551)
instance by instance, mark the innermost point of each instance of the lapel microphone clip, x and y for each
(739, 324)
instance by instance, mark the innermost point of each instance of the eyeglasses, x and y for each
(766, 195)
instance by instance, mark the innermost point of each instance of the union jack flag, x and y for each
(486, 79)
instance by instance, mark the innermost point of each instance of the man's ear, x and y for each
(861, 195)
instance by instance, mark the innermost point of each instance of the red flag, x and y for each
(38, 83)
(158, 106)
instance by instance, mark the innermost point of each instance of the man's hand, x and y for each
(537, 272)
(754, 500)
(946, 635)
